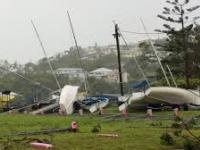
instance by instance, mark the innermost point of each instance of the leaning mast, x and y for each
(86, 85)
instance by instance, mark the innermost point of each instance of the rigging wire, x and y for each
(170, 72)
(155, 51)
(81, 63)
(27, 79)
(43, 49)
(135, 59)
(132, 32)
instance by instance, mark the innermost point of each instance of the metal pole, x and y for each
(172, 76)
(45, 54)
(154, 50)
(76, 44)
(116, 35)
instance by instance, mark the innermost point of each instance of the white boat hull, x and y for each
(172, 95)
(96, 106)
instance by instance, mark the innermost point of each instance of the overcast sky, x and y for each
(92, 20)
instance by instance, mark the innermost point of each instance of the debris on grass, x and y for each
(108, 135)
(41, 145)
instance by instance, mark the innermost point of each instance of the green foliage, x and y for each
(156, 124)
(96, 128)
(180, 81)
(191, 123)
(147, 61)
(84, 140)
(176, 125)
(194, 83)
(177, 132)
(166, 139)
(190, 144)
(181, 46)
(40, 76)
(98, 86)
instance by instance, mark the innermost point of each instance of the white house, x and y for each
(71, 72)
(108, 75)
(100, 73)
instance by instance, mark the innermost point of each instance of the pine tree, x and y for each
(178, 41)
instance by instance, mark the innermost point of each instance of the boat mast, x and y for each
(45, 54)
(117, 35)
(86, 85)
(155, 51)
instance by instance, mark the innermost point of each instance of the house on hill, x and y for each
(108, 75)
(71, 73)
(100, 73)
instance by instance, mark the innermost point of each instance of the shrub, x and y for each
(176, 125)
(166, 139)
(177, 132)
(190, 144)
(96, 128)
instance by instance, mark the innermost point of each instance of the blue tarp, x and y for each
(139, 85)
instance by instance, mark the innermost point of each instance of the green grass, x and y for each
(140, 134)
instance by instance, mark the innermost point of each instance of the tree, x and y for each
(178, 40)
(147, 61)
(195, 38)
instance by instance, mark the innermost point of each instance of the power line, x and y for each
(142, 33)
(135, 59)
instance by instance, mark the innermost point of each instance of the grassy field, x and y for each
(135, 133)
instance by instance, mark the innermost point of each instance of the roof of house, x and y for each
(101, 70)
(72, 69)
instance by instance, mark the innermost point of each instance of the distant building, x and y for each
(108, 75)
(71, 72)
(100, 73)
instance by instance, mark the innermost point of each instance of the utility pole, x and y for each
(117, 35)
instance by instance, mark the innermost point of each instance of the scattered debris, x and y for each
(41, 145)
(149, 113)
(73, 127)
(48, 131)
(108, 135)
